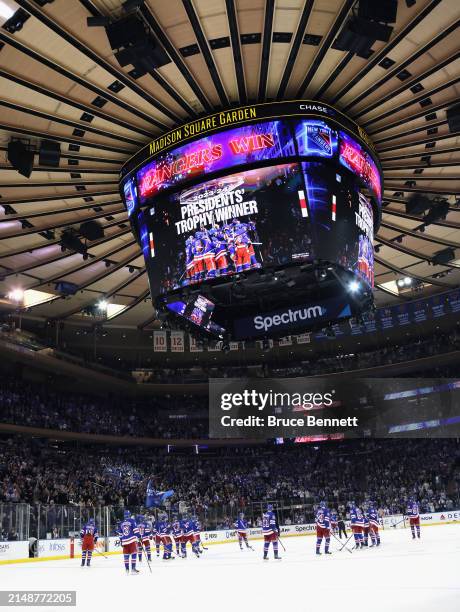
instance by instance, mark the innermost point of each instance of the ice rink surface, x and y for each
(402, 574)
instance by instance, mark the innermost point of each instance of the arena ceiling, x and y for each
(60, 81)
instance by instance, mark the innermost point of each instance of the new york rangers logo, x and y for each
(320, 139)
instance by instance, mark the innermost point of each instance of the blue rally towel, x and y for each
(155, 499)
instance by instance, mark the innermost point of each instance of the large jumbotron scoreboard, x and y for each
(257, 221)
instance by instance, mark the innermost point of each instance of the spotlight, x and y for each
(408, 281)
(16, 295)
(6, 12)
(354, 286)
(102, 305)
(16, 21)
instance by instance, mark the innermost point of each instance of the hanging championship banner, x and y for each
(215, 346)
(160, 344)
(177, 342)
(194, 347)
(286, 341)
(303, 339)
(260, 344)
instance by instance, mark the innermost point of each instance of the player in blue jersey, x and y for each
(356, 520)
(323, 529)
(156, 537)
(176, 531)
(88, 536)
(271, 531)
(221, 255)
(374, 525)
(198, 257)
(145, 535)
(242, 230)
(366, 528)
(241, 526)
(188, 536)
(197, 534)
(189, 264)
(164, 531)
(413, 514)
(334, 521)
(128, 533)
(209, 256)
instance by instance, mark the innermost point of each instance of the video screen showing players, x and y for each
(234, 224)
(342, 219)
(199, 312)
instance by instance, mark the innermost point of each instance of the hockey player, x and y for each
(243, 230)
(188, 536)
(241, 526)
(374, 525)
(89, 536)
(366, 528)
(209, 256)
(197, 534)
(243, 259)
(189, 263)
(221, 255)
(413, 514)
(145, 535)
(156, 537)
(356, 520)
(271, 531)
(323, 528)
(341, 526)
(164, 531)
(334, 521)
(177, 535)
(198, 257)
(129, 537)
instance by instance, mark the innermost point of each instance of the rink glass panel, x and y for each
(53, 521)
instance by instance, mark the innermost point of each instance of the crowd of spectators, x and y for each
(37, 405)
(219, 483)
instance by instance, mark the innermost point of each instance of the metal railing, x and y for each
(19, 521)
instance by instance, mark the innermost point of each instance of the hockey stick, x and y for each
(102, 554)
(398, 523)
(340, 541)
(344, 545)
(281, 542)
(146, 557)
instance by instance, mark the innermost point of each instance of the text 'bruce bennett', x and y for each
(274, 421)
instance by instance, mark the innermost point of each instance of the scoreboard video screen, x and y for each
(281, 185)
